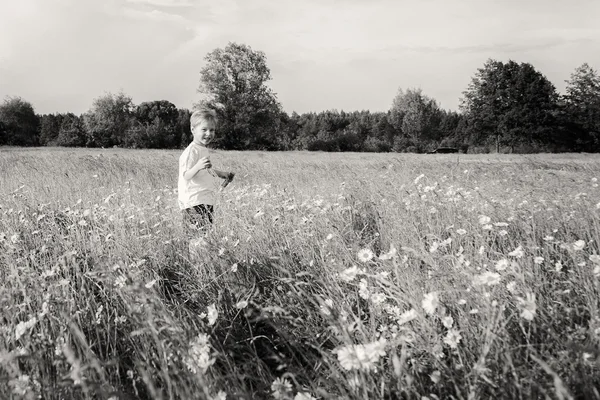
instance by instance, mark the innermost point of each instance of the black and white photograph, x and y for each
(299, 200)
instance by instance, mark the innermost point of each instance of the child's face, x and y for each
(204, 132)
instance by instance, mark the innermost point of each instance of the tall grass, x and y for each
(298, 292)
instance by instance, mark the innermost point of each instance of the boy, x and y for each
(196, 184)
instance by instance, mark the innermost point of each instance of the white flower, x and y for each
(220, 396)
(538, 260)
(595, 258)
(121, 281)
(199, 357)
(487, 278)
(281, 388)
(511, 286)
(23, 327)
(241, 305)
(453, 338)
(461, 232)
(377, 298)
(363, 290)
(528, 307)
(212, 314)
(430, 302)
(361, 356)
(501, 265)
(349, 274)
(390, 254)
(448, 321)
(150, 284)
(329, 237)
(517, 253)
(407, 316)
(365, 255)
(435, 377)
(304, 396)
(484, 220)
(578, 245)
(234, 267)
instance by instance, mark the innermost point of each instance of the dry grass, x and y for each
(100, 297)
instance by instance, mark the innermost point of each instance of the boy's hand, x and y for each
(227, 180)
(204, 163)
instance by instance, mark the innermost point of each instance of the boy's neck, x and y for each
(198, 143)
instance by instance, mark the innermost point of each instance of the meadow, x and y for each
(325, 276)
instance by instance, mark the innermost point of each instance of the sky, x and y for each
(323, 54)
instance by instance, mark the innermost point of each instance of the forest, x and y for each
(507, 107)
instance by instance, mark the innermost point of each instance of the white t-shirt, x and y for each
(201, 188)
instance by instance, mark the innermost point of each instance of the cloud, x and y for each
(164, 3)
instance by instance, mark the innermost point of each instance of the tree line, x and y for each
(507, 106)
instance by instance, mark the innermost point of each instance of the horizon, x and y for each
(329, 55)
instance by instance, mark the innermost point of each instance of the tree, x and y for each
(107, 122)
(71, 132)
(510, 103)
(49, 128)
(233, 82)
(183, 127)
(416, 115)
(582, 105)
(20, 122)
(155, 125)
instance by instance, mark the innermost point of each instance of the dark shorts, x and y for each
(197, 218)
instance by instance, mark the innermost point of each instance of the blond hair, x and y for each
(203, 114)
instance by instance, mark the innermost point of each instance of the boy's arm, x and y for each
(189, 174)
(191, 165)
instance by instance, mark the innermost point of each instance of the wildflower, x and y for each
(461, 231)
(199, 357)
(430, 302)
(448, 321)
(234, 267)
(329, 237)
(538, 260)
(462, 302)
(407, 316)
(361, 356)
(595, 258)
(558, 266)
(304, 396)
(241, 305)
(435, 377)
(511, 286)
(484, 220)
(578, 245)
(418, 178)
(597, 271)
(453, 338)
(363, 290)
(281, 388)
(221, 251)
(434, 246)
(500, 224)
(487, 227)
(487, 278)
(349, 274)
(517, 253)
(24, 326)
(121, 281)
(150, 284)
(393, 253)
(501, 265)
(365, 255)
(20, 386)
(212, 314)
(502, 232)
(528, 307)
(221, 395)
(377, 298)
(548, 238)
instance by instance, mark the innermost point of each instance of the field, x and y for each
(327, 276)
